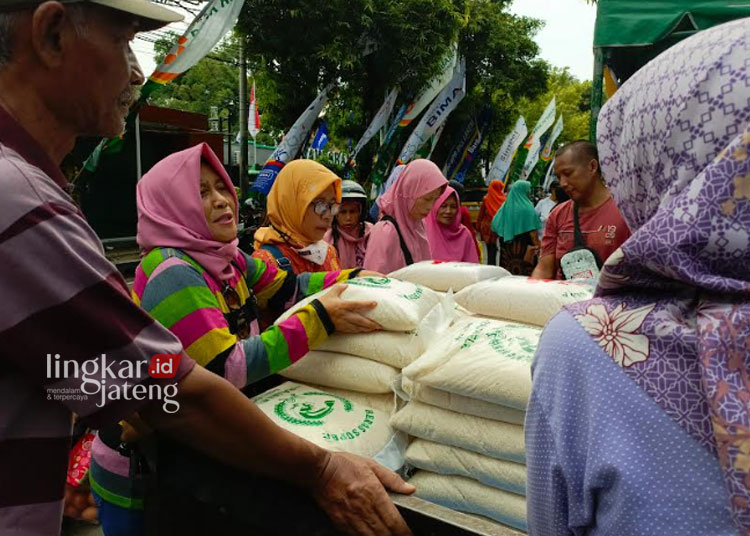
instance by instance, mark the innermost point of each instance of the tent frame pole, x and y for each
(597, 91)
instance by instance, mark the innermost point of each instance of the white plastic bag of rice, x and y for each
(443, 276)
(481, 358)
(342, 371)
(446, 460)
(401, 306)
(397, 349)
(467, 495)
(330, 421)
(490, 438)
(521, 299)
(460, 403)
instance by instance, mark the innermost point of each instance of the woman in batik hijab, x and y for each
(639, 418)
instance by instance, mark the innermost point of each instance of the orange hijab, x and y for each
(495, 198)
(298, 184)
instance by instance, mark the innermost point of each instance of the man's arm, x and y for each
(350, 489)
(545, 268)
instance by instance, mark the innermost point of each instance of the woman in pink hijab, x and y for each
(196, 282)
(399, 238)
(449, 239)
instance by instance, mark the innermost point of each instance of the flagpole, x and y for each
(244, 180)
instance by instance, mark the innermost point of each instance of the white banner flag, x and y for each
(428, 94)
(206, 30)
(291, 144)
(550, 176)
(531, 159)
(543, 125)
(504, 157)
(547, 151)
(437, 113)
(378, 122)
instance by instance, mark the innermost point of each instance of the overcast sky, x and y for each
(568, 34)
(565, 41)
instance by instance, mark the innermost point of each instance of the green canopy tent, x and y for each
(630, 33)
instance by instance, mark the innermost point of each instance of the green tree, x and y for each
(364, 48)
(573, 101)
(502, 67)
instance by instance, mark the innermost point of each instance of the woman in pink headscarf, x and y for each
(399, 238)
(195, 281)
(449, 239)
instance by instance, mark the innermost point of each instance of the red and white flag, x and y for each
(253, 119)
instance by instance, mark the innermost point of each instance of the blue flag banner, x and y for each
(321, 137)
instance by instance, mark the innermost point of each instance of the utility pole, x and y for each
(244, 181)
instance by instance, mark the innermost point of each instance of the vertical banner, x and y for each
(534, 142)
(291, 145)
(550, 176)
(387, 153)
(545, 122)
(214, 21)
(504, 157)
(378, 122)
(435, 116)
(208, 28)
(471, 153)
(556, 131)
(435, 86)
(458, 152)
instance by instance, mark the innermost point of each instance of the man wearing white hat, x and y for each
(66, 69)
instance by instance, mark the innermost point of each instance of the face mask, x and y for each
(315, 252)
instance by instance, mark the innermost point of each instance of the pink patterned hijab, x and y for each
(673, 303)
(170, 210)
(450, 242)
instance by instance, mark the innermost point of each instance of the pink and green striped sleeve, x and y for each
(186, 300)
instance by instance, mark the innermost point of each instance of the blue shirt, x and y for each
(603, 458)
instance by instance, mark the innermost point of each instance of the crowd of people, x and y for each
(639, 420)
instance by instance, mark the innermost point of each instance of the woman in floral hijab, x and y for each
(639, 418)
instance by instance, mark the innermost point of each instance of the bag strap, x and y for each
(578, 240)
(285, 293)
(405, 250)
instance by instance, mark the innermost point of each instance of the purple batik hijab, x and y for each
(673, 304)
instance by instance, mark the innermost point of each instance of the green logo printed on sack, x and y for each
(415, 295)
(476, 331)
(310, 408)
(512, 342)
(355, 432)
(371, 282)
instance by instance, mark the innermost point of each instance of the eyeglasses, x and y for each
(241, 316)
(321, 207)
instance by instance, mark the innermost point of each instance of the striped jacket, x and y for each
(183, 297)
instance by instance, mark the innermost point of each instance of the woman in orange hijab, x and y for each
(490, 205)
(301, 206)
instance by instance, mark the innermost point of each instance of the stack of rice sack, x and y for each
(365, 368)
(468, 395)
